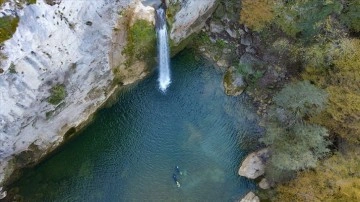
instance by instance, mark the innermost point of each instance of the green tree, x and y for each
(306, 18)
(256, 14)
(351, 15)
(297, 100)
(295, 144)
(8, 25)
(335, 179)
(342, 82)
(58, 94)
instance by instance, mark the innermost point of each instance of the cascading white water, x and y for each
(163, 50)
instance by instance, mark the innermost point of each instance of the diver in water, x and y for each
(177, 169)
(176, 180)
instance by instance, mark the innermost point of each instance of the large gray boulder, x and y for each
(254, 164)
(250, 197)
(233, 82)
(216, 27)
(188, 17)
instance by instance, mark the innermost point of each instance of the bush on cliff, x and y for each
(295, 143)
(351, 15)
(141, 43)
(342, 81)
(335, 179)
(256, 14)
(8, 25)
(58, 94)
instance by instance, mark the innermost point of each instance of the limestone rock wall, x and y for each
(189, 17)
(67, 42)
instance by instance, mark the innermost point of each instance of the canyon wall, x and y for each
(65, 60)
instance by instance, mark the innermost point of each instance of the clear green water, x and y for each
(129, 152)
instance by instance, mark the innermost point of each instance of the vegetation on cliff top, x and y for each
(141, 43)
(335, 179)
(295, 143)
(8, 25)
(322, 39)
(58, 94)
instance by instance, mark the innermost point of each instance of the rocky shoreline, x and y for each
(248, 68)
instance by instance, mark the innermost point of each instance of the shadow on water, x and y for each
(129, 152)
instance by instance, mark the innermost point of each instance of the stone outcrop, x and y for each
(190, 16)
(254, 164)
(2, 193)
(264, 184)
(233, 82)
(250, 197)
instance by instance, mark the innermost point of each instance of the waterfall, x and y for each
(163, 50)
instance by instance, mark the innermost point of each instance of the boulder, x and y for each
(254, 164)
(250, 197)
(250, 50)
(246, 40)
(188, 17)
(264, 184)
(2, 193)
(232, 33)
(222, 63)
(249, 59)
(233, 82)
(216, 27)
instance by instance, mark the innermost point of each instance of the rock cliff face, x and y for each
(187, 17)
(79, 46)
(67, 43)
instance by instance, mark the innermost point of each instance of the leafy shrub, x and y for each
(141, 42)
(351, 15)
(335, 179)
(300, 99)
(295, 144)
(342, 81)
(8, 25)
(297, 147)
(58, 94)
(304, 18)
(256, 14)
(12, 69)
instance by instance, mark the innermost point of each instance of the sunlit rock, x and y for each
(254, 164)
(250, 197)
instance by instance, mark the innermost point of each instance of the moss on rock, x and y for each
(58, 93)
(8, 25)
(141, 43)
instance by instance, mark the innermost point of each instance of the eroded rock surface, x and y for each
(68, 43)
(264, 184)
(189, 19)
(254, 164)
(233, 82)
(250, 197)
